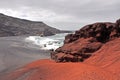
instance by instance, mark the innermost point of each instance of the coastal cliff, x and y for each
(84, 42)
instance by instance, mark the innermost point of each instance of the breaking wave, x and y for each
(48, 43)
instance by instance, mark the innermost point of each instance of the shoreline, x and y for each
(15, 53)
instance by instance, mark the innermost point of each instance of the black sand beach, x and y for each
(16, 52)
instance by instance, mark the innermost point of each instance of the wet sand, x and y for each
(16, 52)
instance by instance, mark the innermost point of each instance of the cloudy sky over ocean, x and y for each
(63, 14)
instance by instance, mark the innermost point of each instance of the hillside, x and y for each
(11, 26)
(84, 42)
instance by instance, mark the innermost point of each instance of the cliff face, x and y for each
(10, 26)
(84, 42)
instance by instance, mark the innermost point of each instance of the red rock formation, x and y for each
(108, 57)
(84, 42)
(102, 64)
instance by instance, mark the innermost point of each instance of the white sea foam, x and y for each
(50, 42)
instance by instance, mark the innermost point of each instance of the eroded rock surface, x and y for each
(84, 42)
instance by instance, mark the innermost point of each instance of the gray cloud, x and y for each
(63, 14)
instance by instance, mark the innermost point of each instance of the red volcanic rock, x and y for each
(79, 51)
(99, 31)
(118, 26)
(84, 42)
(107, 57)
(99, 51)
(102, 65)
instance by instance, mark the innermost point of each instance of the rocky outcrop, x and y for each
(103, 62)
(10, 26)
(84, 42)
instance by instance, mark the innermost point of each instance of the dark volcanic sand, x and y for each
(15, 52)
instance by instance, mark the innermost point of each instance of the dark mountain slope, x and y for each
(10, 26)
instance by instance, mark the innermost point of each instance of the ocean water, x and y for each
(49, 42)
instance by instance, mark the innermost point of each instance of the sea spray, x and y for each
(49, 42)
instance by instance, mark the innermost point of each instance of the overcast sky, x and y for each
(63, 14)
